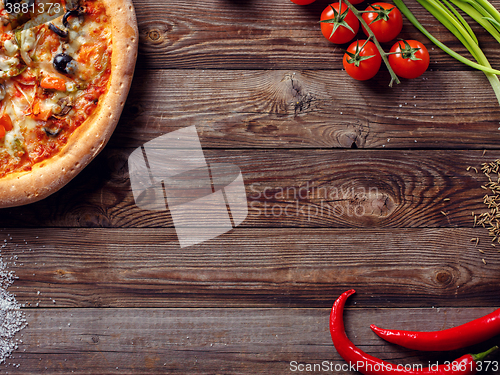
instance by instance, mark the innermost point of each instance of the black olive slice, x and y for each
(63, 63)
(51, 132)
(58, 31)
(71, 13)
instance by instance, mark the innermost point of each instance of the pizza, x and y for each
(65, 71)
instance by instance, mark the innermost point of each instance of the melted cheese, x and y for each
(28, 39)
(7, 63)
(11, 47)
(24, 99)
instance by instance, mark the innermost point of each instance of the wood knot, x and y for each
(134, 110)
(154, 35)
(348, 140)
(360, 204)
(288, 95)
(444, 277)
(353, 136)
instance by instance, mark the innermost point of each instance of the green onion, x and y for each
(461, 19)
(481, 16)
(454, 24)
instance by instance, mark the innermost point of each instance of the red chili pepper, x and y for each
(467, 334)
(370, 365)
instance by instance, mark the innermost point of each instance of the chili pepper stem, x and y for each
(357, 13)
(480, 356)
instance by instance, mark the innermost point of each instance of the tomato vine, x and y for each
(371, 35)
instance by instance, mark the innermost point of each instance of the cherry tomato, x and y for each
(385, 21)
(339, 27)
(409, 58)
(303, 2)
(362, 60)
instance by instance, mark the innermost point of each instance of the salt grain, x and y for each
(12, 319)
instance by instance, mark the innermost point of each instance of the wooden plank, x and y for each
(312, 109)
(252, 268)
(290, 188)
(207, 341)
(263, 34)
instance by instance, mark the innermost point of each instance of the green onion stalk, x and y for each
(479, 10)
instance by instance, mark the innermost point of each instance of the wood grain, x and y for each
(349, 184)
(252, 268)
(263, 34)
(290, 188)
(312, 109)
(207, 341)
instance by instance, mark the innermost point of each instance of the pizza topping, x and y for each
(64, 63)
(6, 122)
(64, 105)
(50, 132)
(63, 34)
(14, 143)
(11, 47)
(54, 83)
(7, 63)
(28, 39)
(5, 125)
(72, 13)
(51, 77)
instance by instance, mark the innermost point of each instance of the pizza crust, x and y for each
(89, 139)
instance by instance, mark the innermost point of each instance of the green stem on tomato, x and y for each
(357, 13)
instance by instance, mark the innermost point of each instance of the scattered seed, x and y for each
(444, 213)
(446, 199)
(490, 219)
(484, 261)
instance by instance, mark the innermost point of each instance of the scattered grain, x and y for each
(490, 219)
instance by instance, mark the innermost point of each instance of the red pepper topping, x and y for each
(467, 334)
(370, 365)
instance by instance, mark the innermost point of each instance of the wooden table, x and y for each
(386, 206)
